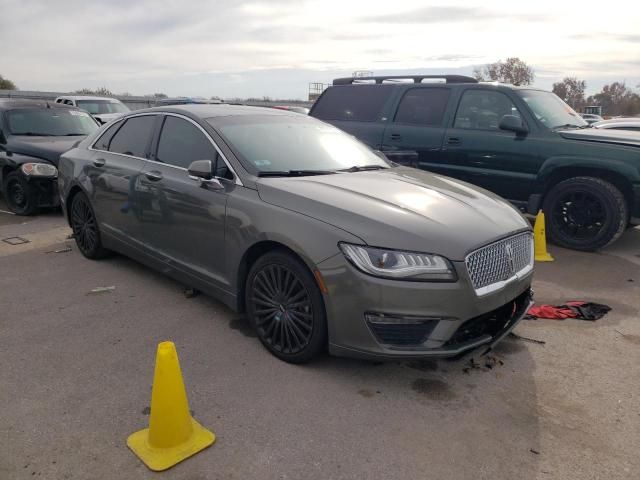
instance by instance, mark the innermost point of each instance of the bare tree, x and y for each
(512, 70)
(98, 91)
(571, 90)
(617, 99)
(6, 84)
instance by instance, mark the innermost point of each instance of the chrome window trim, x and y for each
(236, 177)
(520, 274)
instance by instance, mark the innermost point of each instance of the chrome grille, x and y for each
(491, 266)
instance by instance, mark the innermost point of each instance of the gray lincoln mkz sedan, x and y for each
(320, 240)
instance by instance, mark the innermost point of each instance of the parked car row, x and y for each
(524, 144)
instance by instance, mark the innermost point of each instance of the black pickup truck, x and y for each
(522, 143)
(33, 135)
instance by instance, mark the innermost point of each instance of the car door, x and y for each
(184, 218)
(117, 160)
(414, 137)
(476, 150)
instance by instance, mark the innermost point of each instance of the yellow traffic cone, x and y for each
(540, 240)
(173, 435)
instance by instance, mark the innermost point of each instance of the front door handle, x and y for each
(453, 141)
(153, 175)
(396, 136)
(99, 162)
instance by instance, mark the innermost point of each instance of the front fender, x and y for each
(552, 164)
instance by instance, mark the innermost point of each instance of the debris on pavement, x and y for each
(576, 309)
(191, 292)
(527, 339)
(488, 362)
(101, 290)
(62, 250)
(535, 452)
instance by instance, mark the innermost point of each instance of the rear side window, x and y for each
(182, 143)
(423, 106)
(103, 141)
(357, 103)
(133, 137)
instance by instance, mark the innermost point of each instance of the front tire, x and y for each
(285, 306)
(20, 196)
(85, 228)
(585, 213)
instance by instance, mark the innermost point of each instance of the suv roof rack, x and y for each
(398, 78)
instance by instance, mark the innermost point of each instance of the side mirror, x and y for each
(513, 124)
(202, 171)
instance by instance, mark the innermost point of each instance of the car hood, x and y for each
(47, 148)
(620, 137)
(400, 208)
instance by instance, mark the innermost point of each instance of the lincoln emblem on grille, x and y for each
(509, 251)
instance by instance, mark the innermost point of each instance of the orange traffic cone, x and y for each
(540, 240)
(173, 435)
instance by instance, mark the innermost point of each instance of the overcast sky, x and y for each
(275, 48)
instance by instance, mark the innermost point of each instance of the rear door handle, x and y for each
(396, 136)
(153, 175)
(453, 141)
(99, 162)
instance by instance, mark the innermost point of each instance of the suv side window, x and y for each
(483, 109)
(423, 106)
(356, 103)
(105, 138)
(182, 143)
(133, 138)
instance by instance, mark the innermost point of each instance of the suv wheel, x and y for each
(285, 306)
(585, 213)
(85, 228)
(19, 195)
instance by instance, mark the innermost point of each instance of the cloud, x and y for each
(451, 14)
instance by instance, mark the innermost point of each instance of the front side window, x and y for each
(550, 110)
(181, 143)
(423, 106)
(356, 103)
(133, 138)
(483, 110)
(50, 122)
(274, 143)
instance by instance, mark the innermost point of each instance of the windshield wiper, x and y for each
(34, 134)
(357, 168)
(294, 173)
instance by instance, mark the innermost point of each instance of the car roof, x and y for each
(85, 97)
(18, 103)
(217, 110)
(629, 121)
(407, 85)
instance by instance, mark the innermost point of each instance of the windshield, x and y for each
(551, 110)
(95, 107)
(273, 143)
(50, 122)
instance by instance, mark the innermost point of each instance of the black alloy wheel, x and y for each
(85, 227)
(585, 213)
(19, 195)
(285, 306)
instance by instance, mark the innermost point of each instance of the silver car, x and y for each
(321, 241)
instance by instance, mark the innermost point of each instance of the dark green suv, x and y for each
(522, 143)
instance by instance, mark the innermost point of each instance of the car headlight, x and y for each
(39, 170)
(394, 264)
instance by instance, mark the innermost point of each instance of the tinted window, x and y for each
(423, 106)
(182, 143)
(50, 122)
(105, 138)
(358, 103)
(133, 137)
(483, 109)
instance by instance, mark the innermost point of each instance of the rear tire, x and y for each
(19, 194)
(285, 307)
(585, 213)
(85, 227)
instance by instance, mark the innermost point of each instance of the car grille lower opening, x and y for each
(491, 323)
(399, 331)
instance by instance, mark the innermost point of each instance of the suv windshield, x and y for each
(50, 122)
(551, 110)
(274, 143)
(95, 107)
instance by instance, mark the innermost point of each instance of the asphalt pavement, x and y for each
(77, 369)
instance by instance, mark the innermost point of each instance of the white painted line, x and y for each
(4, 211)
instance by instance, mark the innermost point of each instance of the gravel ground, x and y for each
(77, 369)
